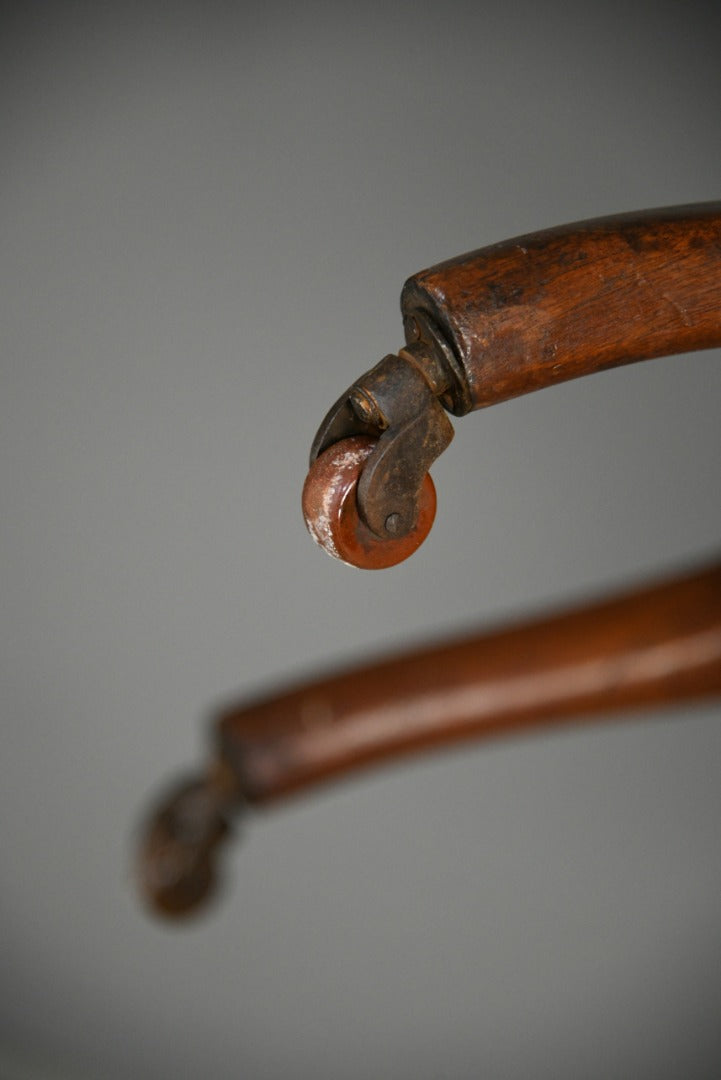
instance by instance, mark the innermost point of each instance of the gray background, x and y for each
(207, 214)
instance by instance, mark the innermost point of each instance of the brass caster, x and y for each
(331, 513)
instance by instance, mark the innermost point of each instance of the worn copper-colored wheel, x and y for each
(331, 510)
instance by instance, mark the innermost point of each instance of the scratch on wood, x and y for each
(680, 311)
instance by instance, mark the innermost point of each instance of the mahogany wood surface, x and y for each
(655, 646)
(553, 305)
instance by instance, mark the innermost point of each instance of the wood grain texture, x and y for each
(656, 646)
(570, 301)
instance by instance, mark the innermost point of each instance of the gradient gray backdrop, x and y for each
(207, 213)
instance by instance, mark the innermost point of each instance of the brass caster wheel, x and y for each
(331, 510)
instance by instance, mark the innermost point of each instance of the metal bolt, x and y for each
(363, 407)
(393, 523)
